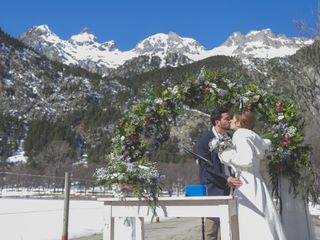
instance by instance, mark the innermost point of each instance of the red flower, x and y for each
(286, 141)
(279, 106)
(206, 88)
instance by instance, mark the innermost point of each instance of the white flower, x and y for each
(101, 173)
(245, 100)
(213, 85)
(122, 138)
(280, 149)
(174, 90)
(280, 117)
(213, 144)
(231, 85)
(115, 175)
(143, 167)
(158, 101)
(249, 93)
(291, 131)
(256, 98)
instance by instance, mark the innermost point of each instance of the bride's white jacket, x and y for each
(255, 203)
(249, 149)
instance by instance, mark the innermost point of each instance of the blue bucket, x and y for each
(195, 190)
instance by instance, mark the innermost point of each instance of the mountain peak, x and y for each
(261, 44)
(170, 42)
(38, 34)
(265, 36)
(109, 45)
(173, 36)
(235, 39)
(84, 37)
(41, 30)
(266, 31)
(86, 30)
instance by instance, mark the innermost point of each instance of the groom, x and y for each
(212, 176)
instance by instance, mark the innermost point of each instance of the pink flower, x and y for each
(279, 106)
(206, 88)
(286, 141)
(120, 121)
(134, 136)
(125, 153)
(222, 93)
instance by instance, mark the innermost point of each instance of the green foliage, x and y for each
(157, 78)
(76, 71)
(11, 131)
(169, 152)
(43, 132)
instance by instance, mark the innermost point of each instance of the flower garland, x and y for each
(151, 119)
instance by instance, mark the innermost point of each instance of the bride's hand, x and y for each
(234, 182)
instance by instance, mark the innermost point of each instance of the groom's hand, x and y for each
(234, 182)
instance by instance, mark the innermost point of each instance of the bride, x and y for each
(258, 218)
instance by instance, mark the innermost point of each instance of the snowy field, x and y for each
(42, 219)
(31, 219)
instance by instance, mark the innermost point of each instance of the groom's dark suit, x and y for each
(213, 177)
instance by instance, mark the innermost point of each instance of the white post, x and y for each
(108, 231)
(225, 224)
(139, 228)
(66, 207)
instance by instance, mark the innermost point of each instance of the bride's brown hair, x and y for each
(246, 119)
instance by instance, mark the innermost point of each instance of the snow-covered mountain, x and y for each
(161, 44)
(170, 49)
(260, 44)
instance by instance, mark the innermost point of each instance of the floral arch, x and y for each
(281, 120)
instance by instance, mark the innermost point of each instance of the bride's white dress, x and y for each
(258, 218)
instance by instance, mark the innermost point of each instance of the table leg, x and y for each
(225, 224)
(108, 231)
(139, 228)
(234, 223)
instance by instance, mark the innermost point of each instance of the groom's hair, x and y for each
(217, 113)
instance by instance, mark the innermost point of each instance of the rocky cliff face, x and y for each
(32, 86)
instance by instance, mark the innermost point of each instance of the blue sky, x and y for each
(129, 21)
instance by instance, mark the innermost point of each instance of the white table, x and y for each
(224, 207)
